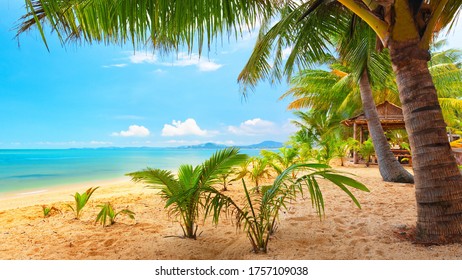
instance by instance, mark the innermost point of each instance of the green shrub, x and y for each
(367, 150)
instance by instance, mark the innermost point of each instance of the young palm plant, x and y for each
(367, 151)
(256, 169)
(282, 159)
(108, 215)
(49, 210)
(184, 194)
(259, 214)
(80, 201)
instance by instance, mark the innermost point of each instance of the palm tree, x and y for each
(358, 49)
(338, 91)
(184, 194)
(404, 27)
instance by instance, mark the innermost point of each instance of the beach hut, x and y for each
(391, 117)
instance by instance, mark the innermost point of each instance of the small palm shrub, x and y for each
(256, 169)
(108, 215)
(259, 214)
(49, 210)
(367, 150)
(184, 193)
(282, 159)
(226, 180)
(80, 201)
(344, 147)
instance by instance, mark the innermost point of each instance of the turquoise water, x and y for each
(35, 169)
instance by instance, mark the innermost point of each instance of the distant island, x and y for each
(262, 145)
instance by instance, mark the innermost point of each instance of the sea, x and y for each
(34, 170)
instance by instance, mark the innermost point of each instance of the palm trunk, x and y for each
(390, 169)
(438, 181)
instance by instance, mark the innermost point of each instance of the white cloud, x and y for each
(120, 65)
(207, 66)
(289, 127)
(133, 131)
(181, 60)
(255, 126)
(184, 59)
(184, 142)
(74, 144)
(138, 58)
(100, 143)
(159, 71)
(227, 142)
(179, 128)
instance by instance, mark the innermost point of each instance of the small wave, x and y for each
(32, 192)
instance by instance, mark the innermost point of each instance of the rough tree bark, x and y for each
(438, 181)
(390, 169)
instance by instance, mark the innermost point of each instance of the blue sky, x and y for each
(96, 95)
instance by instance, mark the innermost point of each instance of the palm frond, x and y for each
(155, 178)
(220, 162)
(164, 25)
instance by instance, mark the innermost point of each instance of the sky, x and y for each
(103, 96)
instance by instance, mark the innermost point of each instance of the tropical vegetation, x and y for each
(405, 27)
(184, 193)
(260, 212)
(256, 169)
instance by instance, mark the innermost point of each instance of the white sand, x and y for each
(345, 233)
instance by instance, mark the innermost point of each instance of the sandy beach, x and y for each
(377, 231)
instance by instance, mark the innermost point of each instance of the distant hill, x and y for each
(203, 146)
(262, 145)
(265, 145)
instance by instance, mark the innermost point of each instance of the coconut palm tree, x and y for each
(344, 96)
(405, 27)
(337, 90)
(184, 194)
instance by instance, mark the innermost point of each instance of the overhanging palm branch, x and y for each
(291, 35)
(164, 25)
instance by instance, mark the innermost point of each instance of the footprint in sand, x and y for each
(298, 219)
(339, 221)
(109, 242)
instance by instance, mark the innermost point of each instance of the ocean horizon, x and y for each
(35, 169)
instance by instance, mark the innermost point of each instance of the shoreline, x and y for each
(54, 194)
